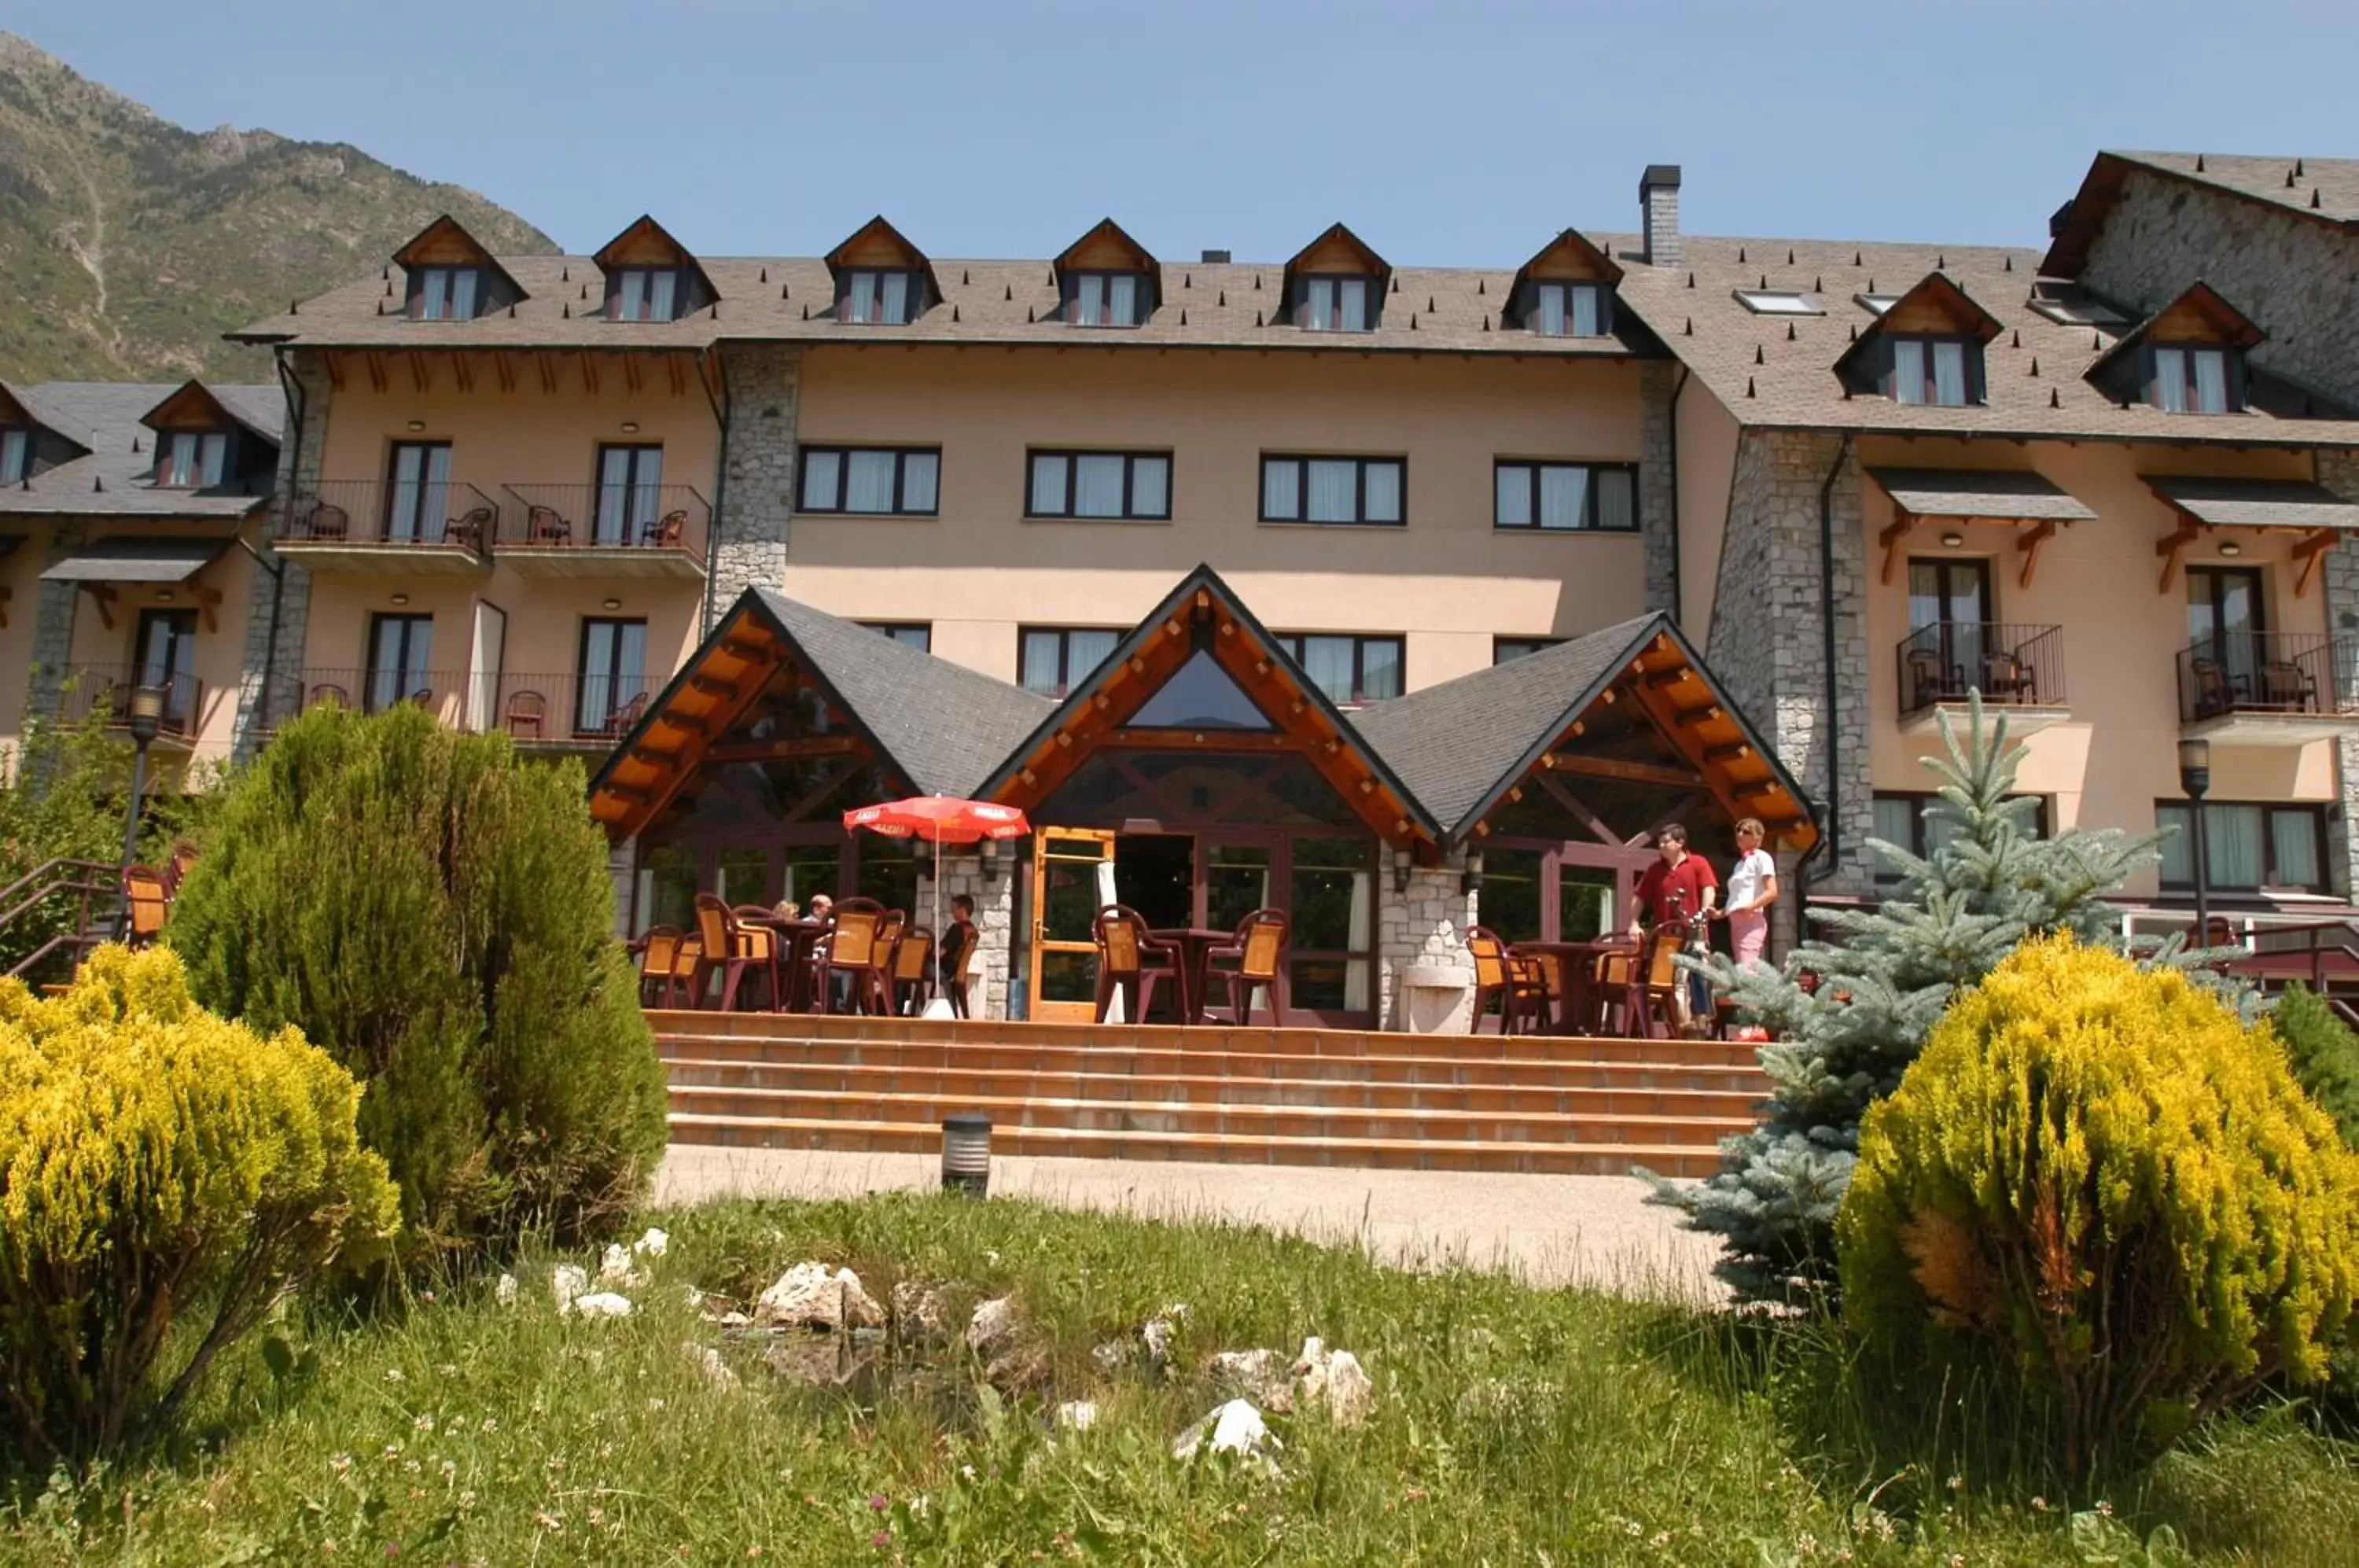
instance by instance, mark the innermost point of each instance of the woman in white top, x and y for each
(1752, 888)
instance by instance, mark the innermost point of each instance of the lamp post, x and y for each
(2195, 778)
(145, 716)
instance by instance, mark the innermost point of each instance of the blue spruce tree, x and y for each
(1882, 978)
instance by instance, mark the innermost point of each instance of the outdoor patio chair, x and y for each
(2213, 693)
(1653, 991)
(2007, 678)
(329, 692)
(734, 949)
(175, 870)
(145, 904)
(544, 526)
(912, 978)
(658, 956)
(527, 716)
(850, 949)
(665, 532)
(471, 527)
(622, 719)
(327, 522)
(1927, 682)
(687, 963)
(1130, 962)
(1516, 984)
(2287, 685)
(1260, 953)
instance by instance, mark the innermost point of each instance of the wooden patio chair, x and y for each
(543, 525)
(327, 522)
(850, 949)
(1131, 961)
(734, 949)
(2287, 685)
(1515, 982)
(664, 533)
(912, 979)
(2007, 678)
(527, 716)
(1260, 953)
(177, 869)
(145, 904)
(659, 959)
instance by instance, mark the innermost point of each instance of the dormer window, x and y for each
(1105, 279)
(650, 276)
(1104, 298)
(644, 294)
(1943, 372)
(2185, 379)
(444, 293)
(15, 448)
(1335, 305)
(1569, 310)
(1565, 291)
(1925, 348)
(191, 460)
(881, 279)
(878, 299)
(1335, 284)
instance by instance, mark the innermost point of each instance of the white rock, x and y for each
(1235, 1428)
(811, 1295)
(654, 1243)
(993, 1325)
(614, 1266)
(1158, 1332)
(1260, 1374)
(1076, 1415)
(1333, 1380)
(603, 1304)
(733, 1319)
(568, 1281)
(707, 1361)
(504, 1293)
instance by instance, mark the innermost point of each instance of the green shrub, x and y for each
(164, 1175)
(2325, 1055)
(439, 915)
(2098, 1183)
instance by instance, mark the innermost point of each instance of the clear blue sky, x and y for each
(1448, 134)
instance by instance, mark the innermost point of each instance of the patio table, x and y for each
(802, 937)
(1574, 960)
(1195, 948)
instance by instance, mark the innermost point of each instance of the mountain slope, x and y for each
(128, 244)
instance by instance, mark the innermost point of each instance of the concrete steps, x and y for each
(1258, 1096)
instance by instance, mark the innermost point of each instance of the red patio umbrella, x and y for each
(942, 818)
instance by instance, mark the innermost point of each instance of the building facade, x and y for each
(2107, 487)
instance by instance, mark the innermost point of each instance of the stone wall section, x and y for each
(995, 921)
(1659, 521)
(53, 627)
(298, 472)
(1421, 936)
(1767, 639)
(758, 491)
(2299, 279)
(2339, 472)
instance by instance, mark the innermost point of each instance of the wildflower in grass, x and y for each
(879, 1502)
(881, 1540)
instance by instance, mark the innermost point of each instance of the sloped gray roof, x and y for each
(1451, 745)
(141, 559)
(2258, 503)
(946, 726)
(113, 478)
(1972, 493)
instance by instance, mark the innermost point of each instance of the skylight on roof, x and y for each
(1876, 304)
(1779, 302)
(2073, 308)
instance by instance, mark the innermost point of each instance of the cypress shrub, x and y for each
(438, 915)
(2098, 1184)
(165, 1175)
(2325, 1055)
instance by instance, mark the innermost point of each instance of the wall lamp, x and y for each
(2231, 548)
(1472, 881)
(630, 426)
(1953, 541)
(1402, 861)
(417, 424)
(402, 598)
(989, 850)
(610, 603)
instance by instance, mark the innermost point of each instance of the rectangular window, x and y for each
(1900, 819)
(613, 683)
(630, 492)
(2249, 847)
(1104, 298)
(15, 447)
(647, 294)
(1051, 660)
(1336, 305)
(191, 460)
(1505, 649)
(1333, 489)
(919, 635)
(1569, 310)
(418, 500)
(2192, 381)
(401, 649)
(1932, 371)
(1566, 496)
(1099, 484)
(445, 294)
(872, 481)
(168, 658)
(879, 298)
(1348, 668)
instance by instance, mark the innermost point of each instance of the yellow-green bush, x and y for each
(165, 1175)
(2097, 1181)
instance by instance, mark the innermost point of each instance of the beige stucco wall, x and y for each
(1707, 433)
(1448, 580)
(20, 573)
(2116, 755)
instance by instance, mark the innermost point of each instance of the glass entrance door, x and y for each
(2224, 623)
(1072, 878)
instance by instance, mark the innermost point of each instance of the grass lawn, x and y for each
(1511, 1426)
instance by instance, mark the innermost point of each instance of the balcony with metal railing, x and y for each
(93, 687)
(2269, 687)
(391, 527)
(453, 697)
(2017, 667)
(604, 530)
(570, 712)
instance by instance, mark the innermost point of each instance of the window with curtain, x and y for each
(16, 446)
(1336, 304)
(401, 648)
(1108, 485)
(879, 298)
(1104, 298)
(1567, 310)
(1505, 649)
(191, 460)
(1348, 668)
(613, 675)
(1051, 660)
(876, 481)
(1942, 372)
(418, 500)
(645, 294)
(2186, 380)
(1900, 819)
(919, 635)
(1565, 498)
(630, 490)
(444, 293)
(2247, 845)
(1333, 490)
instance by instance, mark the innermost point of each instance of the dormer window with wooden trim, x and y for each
(1565, 291)
(15, 454)
(881, 279)
(1336, 284)
(191, 460)
(2186, 358)
(1925, 349)
(1105, 279)
(650, 276)
(201, 443)
(451, 277)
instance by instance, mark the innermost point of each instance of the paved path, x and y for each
(1551, 1230)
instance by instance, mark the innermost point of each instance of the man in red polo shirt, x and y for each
(1677, 888)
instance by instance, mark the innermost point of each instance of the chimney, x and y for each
(1216, 258)
(1658, 213)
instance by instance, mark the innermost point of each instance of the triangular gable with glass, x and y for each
(1200, 695)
